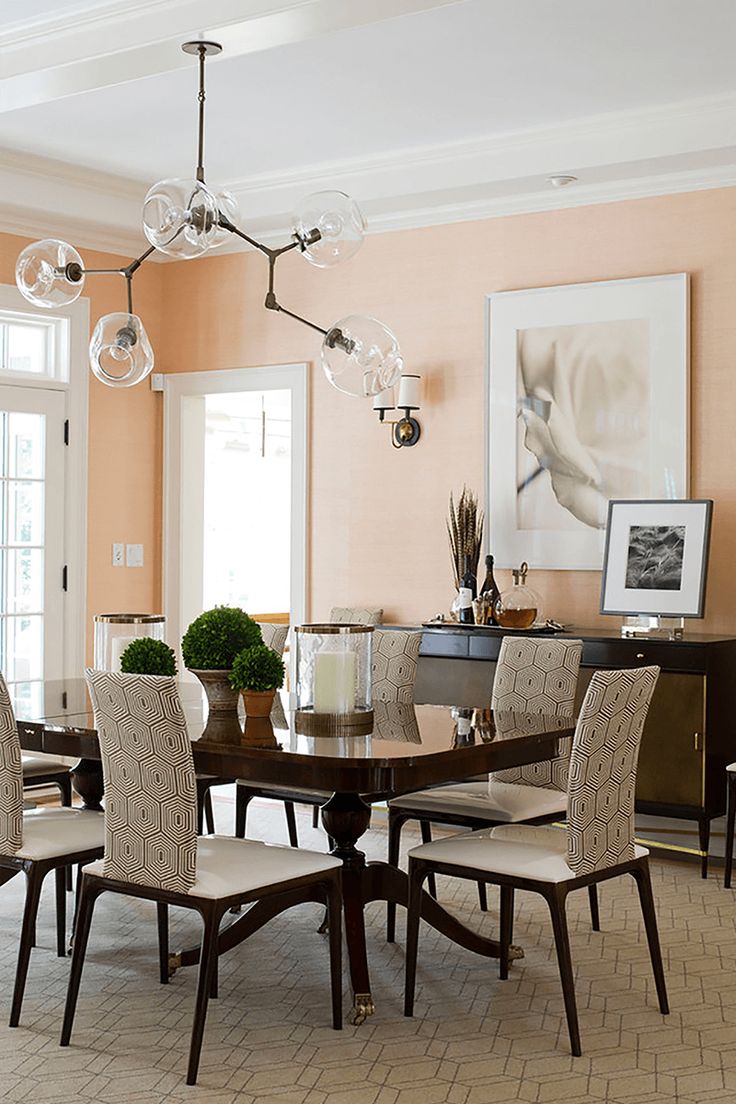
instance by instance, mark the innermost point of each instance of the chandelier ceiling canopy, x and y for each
(186, 218)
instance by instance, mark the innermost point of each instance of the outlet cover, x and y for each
(118, 555)
(134, 555)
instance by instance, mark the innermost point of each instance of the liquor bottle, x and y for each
(490, 590)
(467, 592)
(519, 607)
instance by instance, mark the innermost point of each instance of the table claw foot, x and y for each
(363, 1007)
(174, 964)
(515, 952)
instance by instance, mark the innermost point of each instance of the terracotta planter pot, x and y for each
(221, 698)
(258, 703)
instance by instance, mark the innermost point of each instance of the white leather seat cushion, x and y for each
(42, 764)
(731, 767)
(297, 792)
(505, 802)
(228, 866)
(48, 833)
(519, 850)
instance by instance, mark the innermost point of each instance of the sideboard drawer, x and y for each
(449, 644)
(669, 655)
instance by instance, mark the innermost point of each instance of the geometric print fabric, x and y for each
(538, 675)
(150, 787)
(395, 659)
(602, 773)
(11, 778)
(356, 615)
(274, 636)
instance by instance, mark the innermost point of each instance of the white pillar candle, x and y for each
(334, 682)
(118, 644)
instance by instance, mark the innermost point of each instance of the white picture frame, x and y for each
(656, 558)
(595, 378)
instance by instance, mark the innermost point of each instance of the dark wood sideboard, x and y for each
(690, 735)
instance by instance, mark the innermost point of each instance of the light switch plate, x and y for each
(118, 554)
(134, 555)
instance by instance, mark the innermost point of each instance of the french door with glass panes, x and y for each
(31, 538)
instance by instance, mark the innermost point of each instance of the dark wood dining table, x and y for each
(407, 748)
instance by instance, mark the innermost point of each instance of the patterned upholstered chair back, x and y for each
(150, 790)
(605, 751)
(11, 778)
(395, 659)
(274, 636)
(538, 675)
(355, 615)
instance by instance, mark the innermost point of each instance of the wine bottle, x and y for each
(490, 589)
(467, 592)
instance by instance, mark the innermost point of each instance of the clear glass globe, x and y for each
(360, 356)
(227, 205)
(340, 223)
(180, 218)
(120, 353)
(42, 275)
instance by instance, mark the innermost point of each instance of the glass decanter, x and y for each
(517, 607)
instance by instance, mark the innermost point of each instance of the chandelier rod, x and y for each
(201, 97)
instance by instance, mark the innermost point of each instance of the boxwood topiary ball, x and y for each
(215, 637)
(147, 656)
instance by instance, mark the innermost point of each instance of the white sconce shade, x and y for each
(409, 389)
(384, 400)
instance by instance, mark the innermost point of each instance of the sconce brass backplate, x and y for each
(407, 432)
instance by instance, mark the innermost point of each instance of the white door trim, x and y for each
(177, 385)
(76, 386)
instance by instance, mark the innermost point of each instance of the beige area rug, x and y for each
(474, 1040)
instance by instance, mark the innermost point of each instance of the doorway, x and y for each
(235, 493)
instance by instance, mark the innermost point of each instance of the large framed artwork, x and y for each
(588, 389)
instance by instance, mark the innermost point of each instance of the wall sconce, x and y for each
(406, 431)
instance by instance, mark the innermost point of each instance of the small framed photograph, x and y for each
(656, 557)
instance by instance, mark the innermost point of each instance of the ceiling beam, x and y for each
(135, 39)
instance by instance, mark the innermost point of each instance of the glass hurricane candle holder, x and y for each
(115, 631)
(333, 678)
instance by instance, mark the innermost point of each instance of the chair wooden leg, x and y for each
(595, 917)
(242, 801)
(77, 898)
(646, 897)
(60, 875)
(65, 793)
(334, 920)
(395, 824)
(507, 929)
(207, 963)
(416, 877)
(291, 823)
(482, 897)
(162, 910)
(426, 829)
(87, 901)
(209, 813)
(34, 880)
(704, 840)
(730, 820)
(315, 816)
(556, 901)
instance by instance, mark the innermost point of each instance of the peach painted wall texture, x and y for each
(377, 532)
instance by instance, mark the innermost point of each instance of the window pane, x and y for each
(27, 698)
(24, 651)
(26, 445)
(25, 513)
(27, 348)
(25, 580)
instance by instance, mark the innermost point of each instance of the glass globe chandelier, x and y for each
(186, 218)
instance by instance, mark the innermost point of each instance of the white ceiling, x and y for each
(433, 111)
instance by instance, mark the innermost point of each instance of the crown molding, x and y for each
(688, 146)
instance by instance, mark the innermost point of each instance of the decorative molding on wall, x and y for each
(626, 155)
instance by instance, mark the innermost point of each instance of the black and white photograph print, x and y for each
(655, 557)
(588, 389)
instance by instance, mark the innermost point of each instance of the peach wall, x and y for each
(124, 477)
(377, 514)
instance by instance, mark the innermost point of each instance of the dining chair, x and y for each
(36, 842)
(45, 770)
(730, 819)
(533, 675)
(274, 636)
(356, 615)
(596, 844)
(393, 675)
(152, 850)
